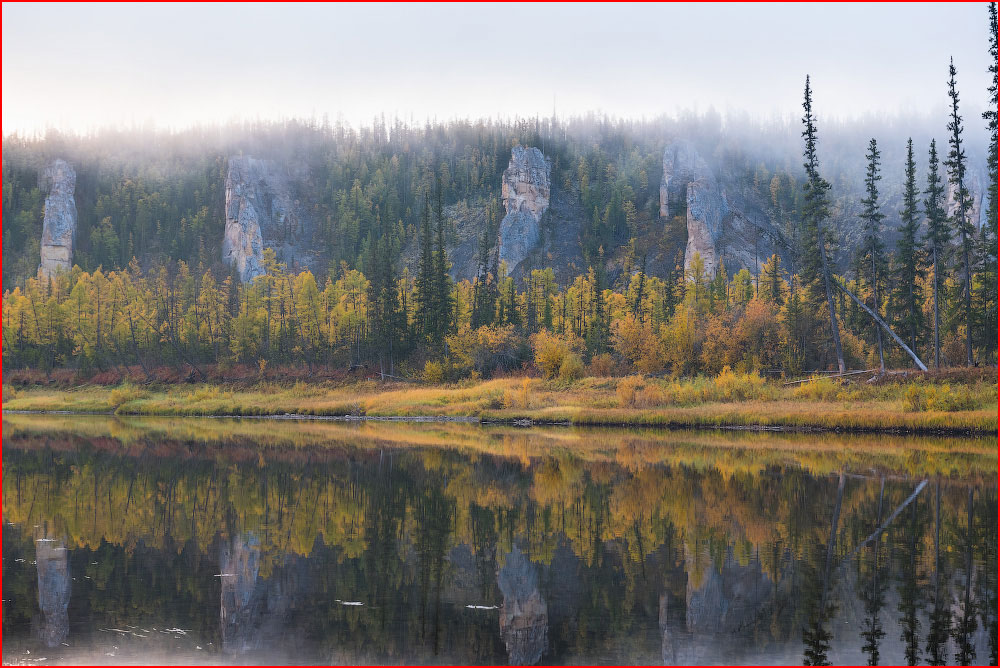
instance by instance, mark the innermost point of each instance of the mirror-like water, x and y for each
(224, 541)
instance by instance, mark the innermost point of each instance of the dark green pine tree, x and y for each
(598, 332)
(986, 252)
(815, 211)
(484, 291)
(425, 276)
(442, 310)
(956, 164)
(873, 249)
(908, 266)
(936, 240)
(387, 321)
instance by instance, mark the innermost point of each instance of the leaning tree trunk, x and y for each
(875, 316)
(827, 279)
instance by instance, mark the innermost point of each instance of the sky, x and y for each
(83, 67)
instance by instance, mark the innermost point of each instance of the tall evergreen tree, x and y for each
(484, 295)
(990, 116)
(986, 299)
(908, 271)
(598, 332)
(874, 249)
(956, 164)
(814, 214)
(771, 287)
(441, 287)
(425, 276)
(936, 239)
(387, 319)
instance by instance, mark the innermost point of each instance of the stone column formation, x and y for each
(259, 206)
(525, 192)
(59, 225)
(685, 174)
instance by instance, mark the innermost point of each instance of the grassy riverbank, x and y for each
(925, 403)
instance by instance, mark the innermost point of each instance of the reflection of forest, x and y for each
(375, 554)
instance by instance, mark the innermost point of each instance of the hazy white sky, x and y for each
(79, 67)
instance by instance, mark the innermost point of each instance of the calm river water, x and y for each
(251, 541)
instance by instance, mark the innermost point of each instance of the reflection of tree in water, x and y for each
(940, 616)
(524, 616)
(605, 544)
(874, 596)
(242, 599)
(815, 636)
(909, 591)
(986, 583)
(434, 512)
(965, 625)
(52, 563)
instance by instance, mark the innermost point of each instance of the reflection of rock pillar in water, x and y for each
(52, 562)
(240, 563)
(667, 649)
(524, 616)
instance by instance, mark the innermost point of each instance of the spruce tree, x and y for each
(936, 239)
(441, 281)
(908, 270)
(425, 275)
(771, 287)
(815, 211)
(986, 299)
(956, 164)
(990, 116)
(598, 331)
(873, 250)
(484, 289)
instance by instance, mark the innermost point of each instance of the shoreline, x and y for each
(528, 422)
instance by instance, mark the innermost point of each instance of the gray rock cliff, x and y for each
(59, 225)
(687, 176)
(525, 191)
(262, 212)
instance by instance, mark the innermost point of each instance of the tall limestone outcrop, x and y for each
(59, 226)
(261, 212)
(688, 180)
(724, 227)
(525, 193)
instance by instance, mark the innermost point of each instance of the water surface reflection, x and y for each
(249, 542)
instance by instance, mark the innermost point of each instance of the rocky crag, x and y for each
(59, 225)
(525, 192)
(722, 227)
(262, 211)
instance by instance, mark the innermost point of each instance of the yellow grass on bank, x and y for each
(729, 400)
